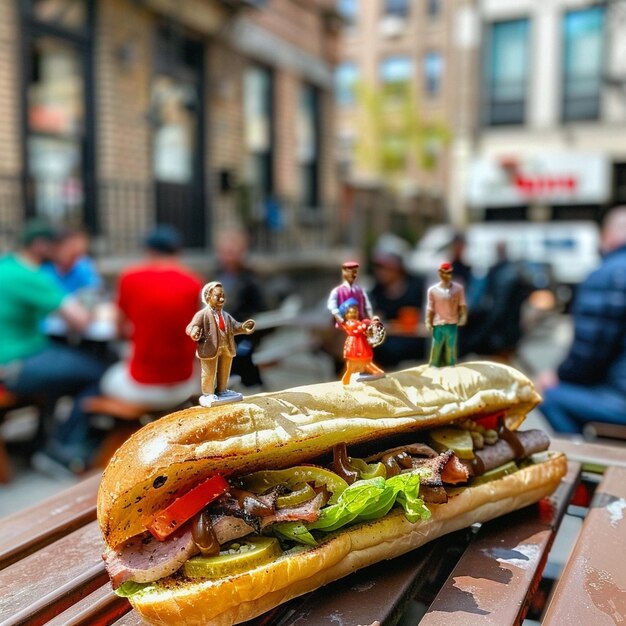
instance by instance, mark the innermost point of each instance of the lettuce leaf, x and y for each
(351, 502)
(129, 588)
(294, 531)
(407, 488)
(370, 499)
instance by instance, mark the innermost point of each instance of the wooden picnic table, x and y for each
(51, 571)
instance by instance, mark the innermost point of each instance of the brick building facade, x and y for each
(202, 113)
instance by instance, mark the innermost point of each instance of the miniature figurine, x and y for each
(213, 329)
(348, 289)
(445, 311)
(357, 350)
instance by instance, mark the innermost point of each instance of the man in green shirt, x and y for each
(29, 362)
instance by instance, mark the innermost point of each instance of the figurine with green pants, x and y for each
(446, 310)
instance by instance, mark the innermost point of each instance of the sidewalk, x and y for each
(542, 348)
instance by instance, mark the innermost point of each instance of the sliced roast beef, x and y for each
(144, 558)
(455, 472)
(227, 527)
(308, 511)
(433, 494)
(444, 468)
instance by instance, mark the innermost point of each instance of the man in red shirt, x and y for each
(156, 300)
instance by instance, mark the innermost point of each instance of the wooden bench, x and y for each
(10, 402)
(603, 430)
(594, 581)
(129, 417)
(51, 571)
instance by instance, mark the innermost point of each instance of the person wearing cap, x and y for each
(445, 311)
(155, 300)
(29, 362)
(349, 289)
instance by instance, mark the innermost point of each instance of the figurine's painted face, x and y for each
(217, 298)
(445, 275)
(349, 274)
(352, 313)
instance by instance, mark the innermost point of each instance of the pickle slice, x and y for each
(240, 556)
(455, 439)
(497, 472)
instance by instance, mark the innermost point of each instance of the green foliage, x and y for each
(391, 131)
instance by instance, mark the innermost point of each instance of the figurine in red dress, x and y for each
(357, 351)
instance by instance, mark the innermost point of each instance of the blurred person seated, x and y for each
(245, 299)
(155, 301)
(494, 327)
(70, 264)
(590, 384)
(397, 298)
(75, 272)
(29, 363)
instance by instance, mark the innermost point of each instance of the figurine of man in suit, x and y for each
(214, 329)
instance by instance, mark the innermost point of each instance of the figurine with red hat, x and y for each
(349, 289)
(446, 309)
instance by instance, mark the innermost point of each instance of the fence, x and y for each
(127, 209)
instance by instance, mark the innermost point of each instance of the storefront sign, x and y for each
(548, 178)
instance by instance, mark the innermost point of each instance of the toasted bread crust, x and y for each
(276, 430)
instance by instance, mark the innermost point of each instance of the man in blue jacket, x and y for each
(590, 384)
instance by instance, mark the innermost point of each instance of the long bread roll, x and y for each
(279, 430)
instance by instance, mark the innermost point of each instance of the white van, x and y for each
(570, 249)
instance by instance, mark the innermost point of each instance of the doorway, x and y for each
(176, 114)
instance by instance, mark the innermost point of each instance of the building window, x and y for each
(506, 72)
(346, 76)
(308, 145)
(176, 117)
(433, 72)
(67, 14)
(433, 8)
(397, 8)
(582, 65)
(58, 111)
(258, 105)
(395, 75)
(348, 9)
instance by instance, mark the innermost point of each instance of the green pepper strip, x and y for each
(368, 470)
(296, 477)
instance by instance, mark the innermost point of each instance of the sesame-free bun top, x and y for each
(275, 430)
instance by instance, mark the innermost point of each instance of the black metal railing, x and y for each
(128, 209)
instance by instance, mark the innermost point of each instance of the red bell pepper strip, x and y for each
(492, 421)
(185, 507)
